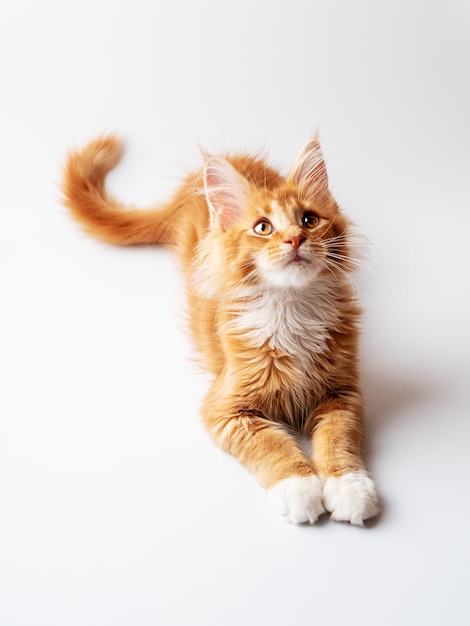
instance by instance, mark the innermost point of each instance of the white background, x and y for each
(115, 506)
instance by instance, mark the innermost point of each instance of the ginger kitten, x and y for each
(266, 261)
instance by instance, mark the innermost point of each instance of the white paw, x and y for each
(351, 497)
(299, 498)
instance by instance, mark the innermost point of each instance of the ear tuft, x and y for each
(309, 171)
(226, 191)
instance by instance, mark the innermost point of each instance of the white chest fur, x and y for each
(295, 322)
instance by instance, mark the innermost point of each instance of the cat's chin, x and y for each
(296, 276)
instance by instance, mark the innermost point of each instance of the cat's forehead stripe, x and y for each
(282, 215)
(277, 215)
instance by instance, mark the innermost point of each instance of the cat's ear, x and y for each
(226, 191)
(309, 171)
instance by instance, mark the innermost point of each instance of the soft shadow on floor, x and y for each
(395, 395)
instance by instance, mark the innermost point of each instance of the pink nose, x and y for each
(296, 241)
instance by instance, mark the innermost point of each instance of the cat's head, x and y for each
(271, 232)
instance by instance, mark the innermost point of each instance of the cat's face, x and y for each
(285, 237)
(284, 241)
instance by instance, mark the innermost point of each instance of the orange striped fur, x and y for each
(267, 262)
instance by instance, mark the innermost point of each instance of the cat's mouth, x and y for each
(297, 260)
(295, 270)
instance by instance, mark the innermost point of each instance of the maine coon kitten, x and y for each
(266, 261)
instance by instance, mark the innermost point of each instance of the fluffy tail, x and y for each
(101, 215)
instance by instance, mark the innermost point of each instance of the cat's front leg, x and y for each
(349, 493)
(274, 457)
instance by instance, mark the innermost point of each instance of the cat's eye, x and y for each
(310, 220)
(263, 227)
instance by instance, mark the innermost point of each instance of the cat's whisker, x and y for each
(347, 275)
(325, 265)
(346, 258)
(330, 225)
(361, 265)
